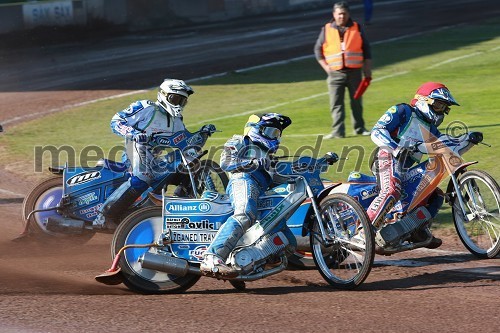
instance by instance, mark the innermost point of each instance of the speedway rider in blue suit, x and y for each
(136, 123)
(246, 158)
(398, 134)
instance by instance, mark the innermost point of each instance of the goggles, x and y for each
(270, 132)
(440, 106)
(176, 99)
(437, 105)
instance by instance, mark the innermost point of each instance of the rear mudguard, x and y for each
(56, 170)
(451, 188)
(310, 213)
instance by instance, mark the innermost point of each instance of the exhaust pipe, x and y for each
(65, 225)
(170, 265)
(303, 243)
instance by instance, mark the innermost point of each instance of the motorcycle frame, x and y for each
(280, 213)
(449, 163)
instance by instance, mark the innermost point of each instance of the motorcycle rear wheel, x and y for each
(144, 227)
(480, 234)
(45, 195)
(350, 243)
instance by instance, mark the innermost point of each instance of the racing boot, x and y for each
(105, 224)
(214, 266)
(435, 243)
(224, 242)
(422, 235)
(117, 203)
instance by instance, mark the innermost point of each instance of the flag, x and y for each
(362, 87)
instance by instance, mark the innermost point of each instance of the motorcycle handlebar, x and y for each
(331, 158)
(475, 137)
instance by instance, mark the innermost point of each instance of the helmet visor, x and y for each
(270, 132)
(176, 100)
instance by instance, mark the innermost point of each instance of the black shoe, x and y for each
(435, 243)
(364, 133)
(422, 235)
(239, 285)
(379, 250)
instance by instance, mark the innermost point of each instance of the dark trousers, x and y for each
(337, 82)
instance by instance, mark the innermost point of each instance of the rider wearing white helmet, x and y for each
(136, 123)
(173, 96)
(397, 133)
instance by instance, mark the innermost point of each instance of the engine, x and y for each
(390, 234)
(247, 258)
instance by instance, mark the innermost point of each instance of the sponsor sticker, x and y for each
(264, 203)
(185, 223)
(193, 237)
(83, 177)
(87, 199)
(196, 140)
(162, 141)
(198, 252)
(188, 207)
(179, 138)
(455, 161)
(355, 175)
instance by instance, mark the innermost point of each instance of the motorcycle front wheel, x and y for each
(479, 229)
(211, 177)
(144, 226)
(343, 246)
(208, 175)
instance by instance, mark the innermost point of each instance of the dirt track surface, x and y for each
(51, 287)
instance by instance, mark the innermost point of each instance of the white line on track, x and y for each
(287, 103)
(454, 59)
(7, 192)
(70, 106)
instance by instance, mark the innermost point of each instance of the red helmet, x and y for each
(434, 90)
(433, 99)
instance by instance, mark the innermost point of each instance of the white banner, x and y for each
(48, 13)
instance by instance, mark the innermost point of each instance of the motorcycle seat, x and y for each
(112, 165)
(357, 177)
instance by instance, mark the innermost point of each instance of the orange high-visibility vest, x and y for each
(348, 54)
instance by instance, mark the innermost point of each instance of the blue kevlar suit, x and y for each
(248, 165)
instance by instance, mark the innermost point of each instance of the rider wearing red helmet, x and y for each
(397, 133)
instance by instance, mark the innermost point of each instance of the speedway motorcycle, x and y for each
(159, 249)
(474, 197)
(77, 193)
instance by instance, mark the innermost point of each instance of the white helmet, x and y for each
(173, 95)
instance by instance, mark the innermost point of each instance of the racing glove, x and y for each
(262, 162)
(141, 138)
(209, 129)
